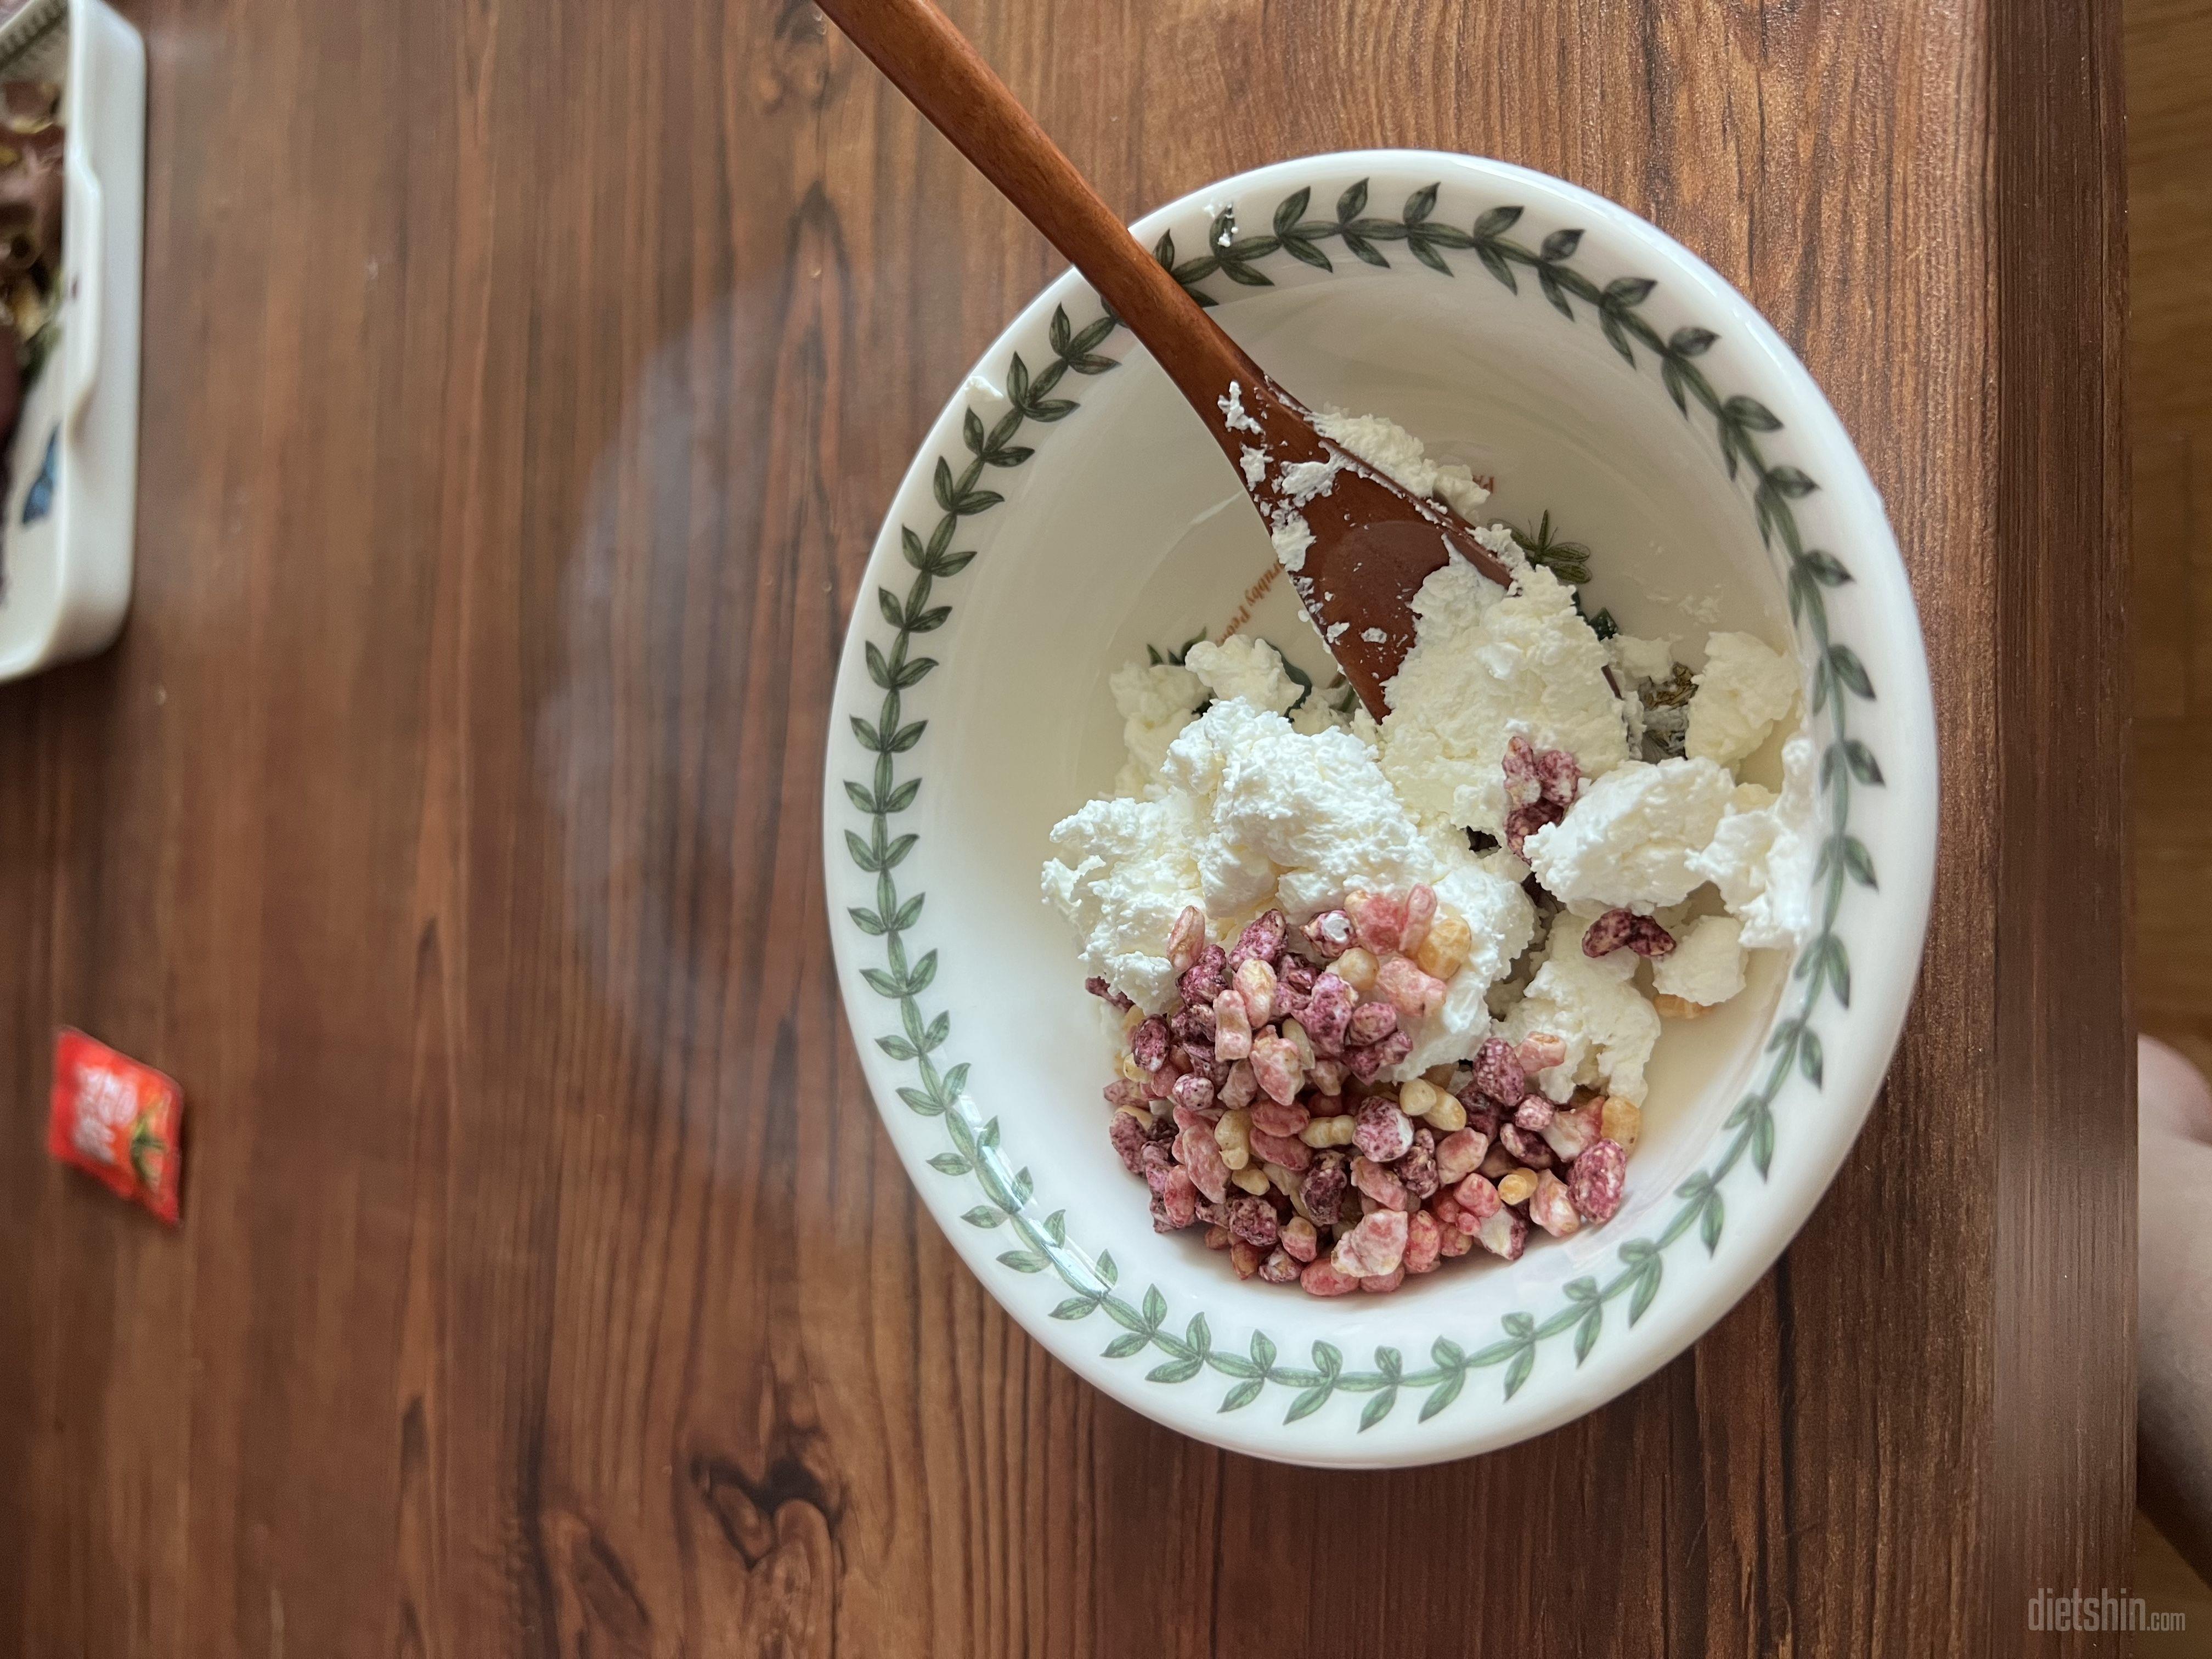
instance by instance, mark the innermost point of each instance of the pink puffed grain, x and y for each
(1155, 1162)
(1498, 1077)
(1383, 1284)
(1276, 1064)
(1478, 1201)
(1374, 1247)
(1377, 920)
(1288, 1150)
(1324, 1277)
(1417, 1169)
(1524, 786)
(1297, 1236)
(1129, 1141)
(1324, 1190)
(1425, 1243)
(1526, 1148)
(1201, 1154)
(1239, 1088)
(1420, 912)
(1106, 994)
(1260, 941)
(1414, 995)
(1552, 1207)
(1192, 1093)
(1328, 1018)
(1573, 1129)
(1459, 1154)
(1232, 1029)
(1148, 1043)
(1179, 1200)
(1524, 822)
(1609, 932)
(1505, 1234)
(1533, 1112)
(1273, 1117)
(1379, 1184)
(1392, 1049)
(1597, 1181)
(1280, 1268)
(1207, 975)
(1384, 1134)
(1255, 981)
(1331, 934)
(1254, 1220)
(1192, 1023)
(1371, 1023)
(1560, 775)
(1455, 1244)
(1185, 940)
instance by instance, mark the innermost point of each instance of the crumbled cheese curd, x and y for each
(1389, 448)
(1590, 1004)
(1156, 701)
(1241, 666)
(1743, 690)
(1642, 659)
(1761, 856)
(1126, 870)
(1630, 839)
(1706, 965)
(1488, 665)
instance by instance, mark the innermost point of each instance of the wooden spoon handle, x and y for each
(918, 50)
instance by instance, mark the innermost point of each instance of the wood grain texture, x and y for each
(525, 379)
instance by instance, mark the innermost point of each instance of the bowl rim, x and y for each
(1847, 1078)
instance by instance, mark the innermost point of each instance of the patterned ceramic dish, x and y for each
(1065, 513)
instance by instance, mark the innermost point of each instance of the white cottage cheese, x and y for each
(1761, 856)
(1126, 870)
(1486, 665)
(1642, 659)
(1631, 838)
(1388, 448)
(1742, 690)
(1707, 963)
(1241, 666)
(1156, 701)
(1592, 1005)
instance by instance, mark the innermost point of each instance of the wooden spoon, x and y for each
(1373, 542)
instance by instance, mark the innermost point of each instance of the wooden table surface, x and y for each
(523, 381)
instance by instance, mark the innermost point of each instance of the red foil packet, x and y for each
(116, 1119)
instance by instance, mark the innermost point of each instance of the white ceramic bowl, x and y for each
(1060, 518)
